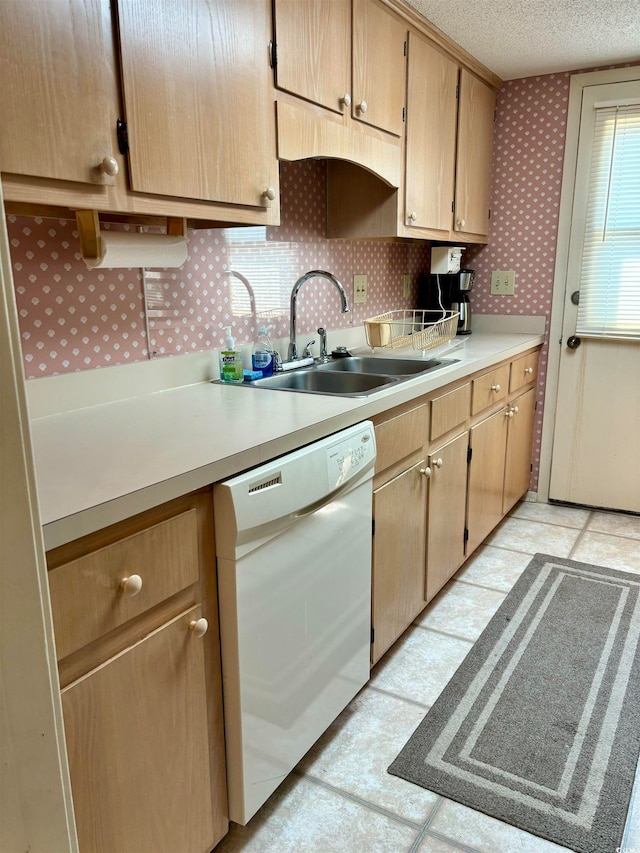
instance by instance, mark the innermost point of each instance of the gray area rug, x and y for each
(540, 725)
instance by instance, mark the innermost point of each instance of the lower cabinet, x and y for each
(137, 741)
(135, 616)
(399, 509)
(517, 471)
(487, 442)
(446, 512)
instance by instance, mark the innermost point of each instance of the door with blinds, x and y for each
(596, 447)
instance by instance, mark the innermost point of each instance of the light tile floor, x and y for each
(340, 799)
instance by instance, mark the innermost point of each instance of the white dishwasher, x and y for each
(293, 544)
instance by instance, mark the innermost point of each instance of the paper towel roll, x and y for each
(126, 249)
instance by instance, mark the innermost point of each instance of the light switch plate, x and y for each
(360, 288)
(503, 282)
(406, 286)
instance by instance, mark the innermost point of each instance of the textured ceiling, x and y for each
(522, 38)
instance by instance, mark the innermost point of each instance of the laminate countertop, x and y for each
(103, 463)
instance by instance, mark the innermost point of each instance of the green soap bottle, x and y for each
(230, 361)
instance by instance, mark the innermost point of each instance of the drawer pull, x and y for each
(426, 472)
(495, 388)
(508, 413)
(131, 585)
(528, 371)
(437, 463)
(515, 410)
(199, 627)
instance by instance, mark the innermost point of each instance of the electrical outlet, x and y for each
(360, 288)
(503, 282)
(406, 286)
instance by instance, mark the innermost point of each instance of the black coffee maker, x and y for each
(448, 286)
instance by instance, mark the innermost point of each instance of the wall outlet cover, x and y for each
(359, 289)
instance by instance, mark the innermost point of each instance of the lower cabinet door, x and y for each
(399, 511)
(446, 512)
(517, 472)
(486, 477)
(137, 740)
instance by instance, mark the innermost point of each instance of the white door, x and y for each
(596, 444)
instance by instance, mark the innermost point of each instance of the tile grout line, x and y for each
(482, 585)
(391, 695)
(381, 810)
(540, 521)
(445, 633)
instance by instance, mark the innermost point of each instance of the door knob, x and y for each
(573, 342)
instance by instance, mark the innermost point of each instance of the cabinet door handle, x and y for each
(515, 410)
(528, 371)
(508, 413)
(362, 106)
(426, 472)
(199, 627)
(131, 585)
(110, 166)
(412, 216)
(461, 223)
(345, 100)
(495, 388)
(437, 463)
(269, 193)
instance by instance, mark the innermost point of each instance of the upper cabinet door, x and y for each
(55, 98)
(475, 142)
(379, 66)
(198, 101)
(431, 137)
(314, 50)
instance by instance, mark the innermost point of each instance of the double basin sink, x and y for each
(350, 376)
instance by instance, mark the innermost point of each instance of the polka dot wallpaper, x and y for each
(72, 318)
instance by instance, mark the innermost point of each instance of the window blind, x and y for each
(610, 276)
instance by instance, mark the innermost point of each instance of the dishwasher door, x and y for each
(293, 539)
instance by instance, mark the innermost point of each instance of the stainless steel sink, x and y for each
(352, 376)
(313, 381)
(384, 366)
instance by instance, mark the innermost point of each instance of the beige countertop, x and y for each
(102, 463)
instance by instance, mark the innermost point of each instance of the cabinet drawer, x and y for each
(400, 436)
(524, 370)
(449, 410)
(87, 598)
(489, 389)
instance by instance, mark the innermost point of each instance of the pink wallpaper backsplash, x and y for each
(72, 318)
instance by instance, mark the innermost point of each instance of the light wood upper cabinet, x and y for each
(379, 66)
(473, 167)
(196, 85)
(432, 78)
(314, 50)
(55, 124)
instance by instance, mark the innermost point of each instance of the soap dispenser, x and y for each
(230, 360)
(262, 355)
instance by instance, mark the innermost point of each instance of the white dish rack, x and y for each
(419, 329)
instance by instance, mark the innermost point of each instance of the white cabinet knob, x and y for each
(528, 371)
(462, 223)
(269, 193)
(412, 216)
(131, 585)
(495, 388)
(345, 100)
(362, 106)
(110, 166)
(199, 627)
(437, 463)
(509, 413)
(514, 409)
(426, 472)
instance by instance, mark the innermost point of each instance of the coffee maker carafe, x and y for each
(462, 283)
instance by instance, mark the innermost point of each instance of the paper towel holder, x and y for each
(88, 224)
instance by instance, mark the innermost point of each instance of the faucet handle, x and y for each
(323, 344)
(306, 353)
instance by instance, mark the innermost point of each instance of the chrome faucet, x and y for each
(293, 350)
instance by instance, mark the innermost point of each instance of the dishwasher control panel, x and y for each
(349, 456)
